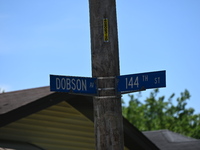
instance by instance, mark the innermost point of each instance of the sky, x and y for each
(43, 37)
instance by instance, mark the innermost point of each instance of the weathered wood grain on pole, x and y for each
(105, 66)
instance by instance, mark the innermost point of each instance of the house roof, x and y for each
(13, 100)
(19, 104)
(168, 140)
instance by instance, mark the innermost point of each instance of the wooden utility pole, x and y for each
(105, 67)
(107, 85)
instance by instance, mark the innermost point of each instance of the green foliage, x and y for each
(157, 113)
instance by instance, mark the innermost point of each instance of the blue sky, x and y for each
(42, 37)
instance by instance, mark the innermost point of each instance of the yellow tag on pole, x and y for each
(105, 30)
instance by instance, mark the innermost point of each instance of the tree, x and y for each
(157, 113)
(2, 91)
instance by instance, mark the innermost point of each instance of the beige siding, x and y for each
(59, 127)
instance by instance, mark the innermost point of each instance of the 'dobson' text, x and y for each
(71, 84)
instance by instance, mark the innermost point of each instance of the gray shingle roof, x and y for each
(168, 140)
(13, 100)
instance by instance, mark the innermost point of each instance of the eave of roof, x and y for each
(19, 104)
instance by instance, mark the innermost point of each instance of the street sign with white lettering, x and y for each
(70, 84)
(141, 81)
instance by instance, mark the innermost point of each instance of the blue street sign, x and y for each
(141, 81)
(70, 84)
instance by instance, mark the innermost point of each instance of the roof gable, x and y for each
(39, 99)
